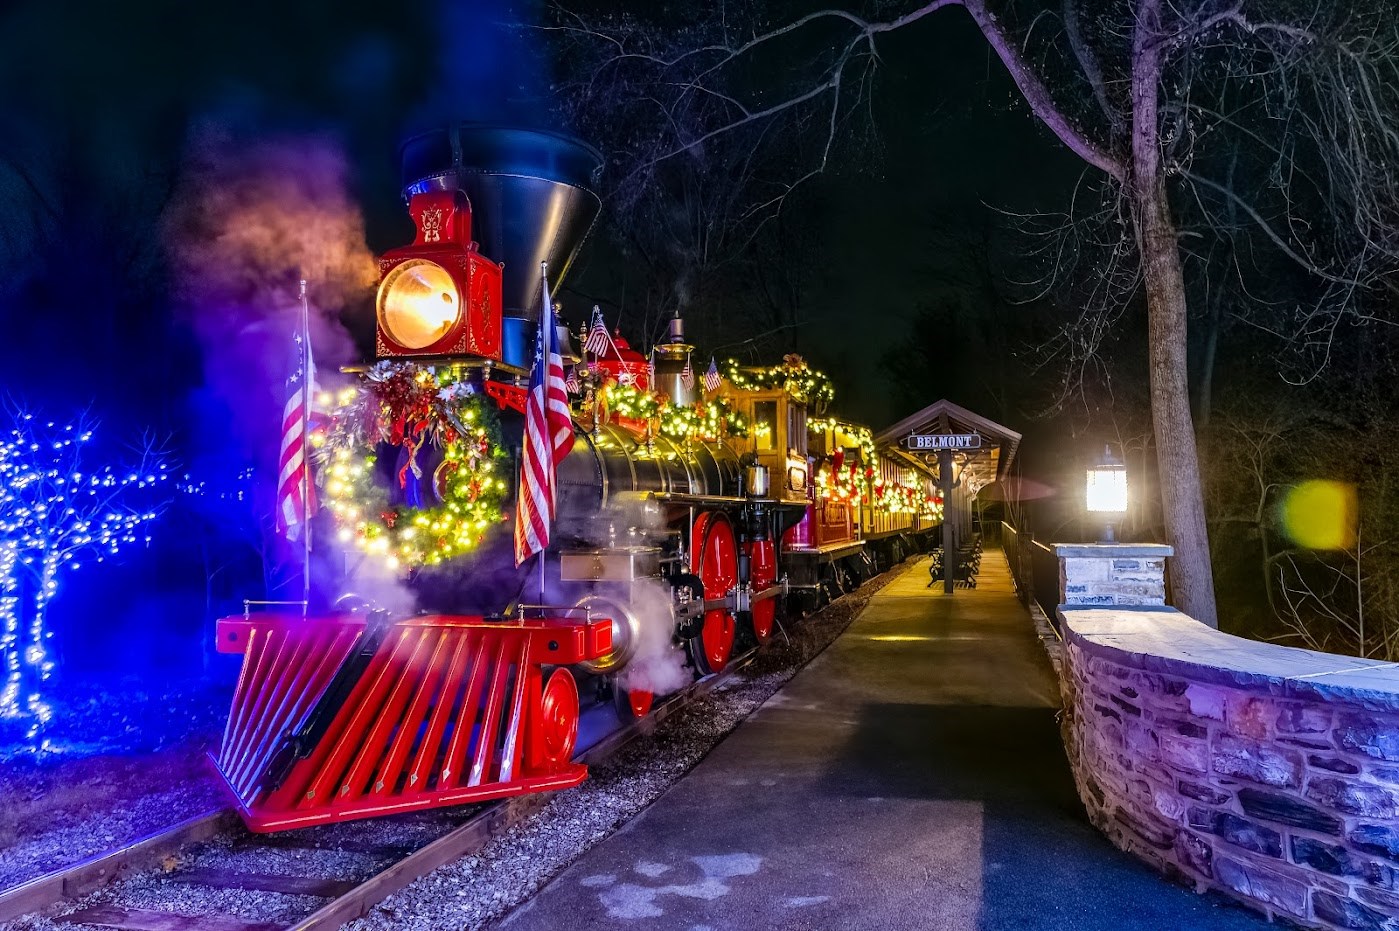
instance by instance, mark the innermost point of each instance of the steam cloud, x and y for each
(247, 221)
(659, 665)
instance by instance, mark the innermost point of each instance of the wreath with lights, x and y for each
(428, 418)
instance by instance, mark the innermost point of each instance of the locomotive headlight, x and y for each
(418, 304)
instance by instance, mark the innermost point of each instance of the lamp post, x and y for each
(1107, 492)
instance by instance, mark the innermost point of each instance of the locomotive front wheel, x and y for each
(558, 719)
(715, 561)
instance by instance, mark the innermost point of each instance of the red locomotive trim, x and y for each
(511, 396)
(333, 720)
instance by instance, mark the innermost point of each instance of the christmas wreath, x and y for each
(448, 477)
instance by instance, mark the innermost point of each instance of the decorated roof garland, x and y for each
(705, 420)
(437, 422)
(708, 419)
(802, 382)
(854, 479)
(862, 435)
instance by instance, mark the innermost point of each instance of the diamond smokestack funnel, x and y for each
(531, 200)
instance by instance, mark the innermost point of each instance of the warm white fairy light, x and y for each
(55, 514)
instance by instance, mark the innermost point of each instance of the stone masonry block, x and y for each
(1385, 774)
(1345, 913)
(1184, 754)
(1332, 764)
(1086, 570)
(1202, 793)
(1254, 882)
(1205, 702)
(1297, 718)
(1238, 831)
(1328, 858)
(1195, 853)
(1368, 735)
(1248, 715)
(1353, 798)
(1256, 761)
(1283, 809)
(1382, 839)
(1125, 589)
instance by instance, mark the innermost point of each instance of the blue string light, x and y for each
(56, 514)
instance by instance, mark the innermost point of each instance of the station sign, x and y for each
(921, 442)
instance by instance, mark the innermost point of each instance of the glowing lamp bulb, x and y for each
(1107, 486)
(418, 304)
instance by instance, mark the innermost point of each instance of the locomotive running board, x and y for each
(336, 718)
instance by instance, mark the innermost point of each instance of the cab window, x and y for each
(765, 425)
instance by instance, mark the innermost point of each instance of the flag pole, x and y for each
(546, 319)
(306, 382)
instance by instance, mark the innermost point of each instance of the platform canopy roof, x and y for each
(979, 467)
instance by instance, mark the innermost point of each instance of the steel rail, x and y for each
(86, 876)
(71, 882)
(472, 836)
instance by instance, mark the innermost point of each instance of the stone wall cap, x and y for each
(1111, 550)
(1166, 641)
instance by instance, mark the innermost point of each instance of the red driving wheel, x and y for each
(558, 718)
(762, 561)
(714, 558)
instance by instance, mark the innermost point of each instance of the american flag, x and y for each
(571, 384)
(296, 492)
(548, 438)
(598, 338)
(687, 375)
(711, 377)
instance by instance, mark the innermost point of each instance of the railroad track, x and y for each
(346, 899)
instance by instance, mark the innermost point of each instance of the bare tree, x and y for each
(1154, 96)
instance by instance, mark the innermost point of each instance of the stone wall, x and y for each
(1266, 773)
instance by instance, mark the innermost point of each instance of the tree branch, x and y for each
(1037, 94)
(1088, 62)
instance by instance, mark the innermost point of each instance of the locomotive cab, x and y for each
(777, 439)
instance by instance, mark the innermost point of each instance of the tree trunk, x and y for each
(1182, 501)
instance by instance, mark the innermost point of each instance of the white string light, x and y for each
(55, 514)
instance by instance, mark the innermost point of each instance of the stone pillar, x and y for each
(1112, 575)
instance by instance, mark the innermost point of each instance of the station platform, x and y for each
(912, 776)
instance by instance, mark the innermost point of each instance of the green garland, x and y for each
(802, 382)
(706, 420)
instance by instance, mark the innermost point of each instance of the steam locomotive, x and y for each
(674, 543)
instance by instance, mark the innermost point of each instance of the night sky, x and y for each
(98, 104)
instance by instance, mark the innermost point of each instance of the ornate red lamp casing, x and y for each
(439, 296)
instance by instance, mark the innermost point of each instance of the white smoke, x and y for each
(659, 663)
(369, 581)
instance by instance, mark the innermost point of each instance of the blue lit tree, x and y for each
(58, 511)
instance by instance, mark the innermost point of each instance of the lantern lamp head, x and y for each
(1107, 490)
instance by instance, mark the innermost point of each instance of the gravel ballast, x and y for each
(475, 891)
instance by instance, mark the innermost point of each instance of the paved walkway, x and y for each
(911, 777)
